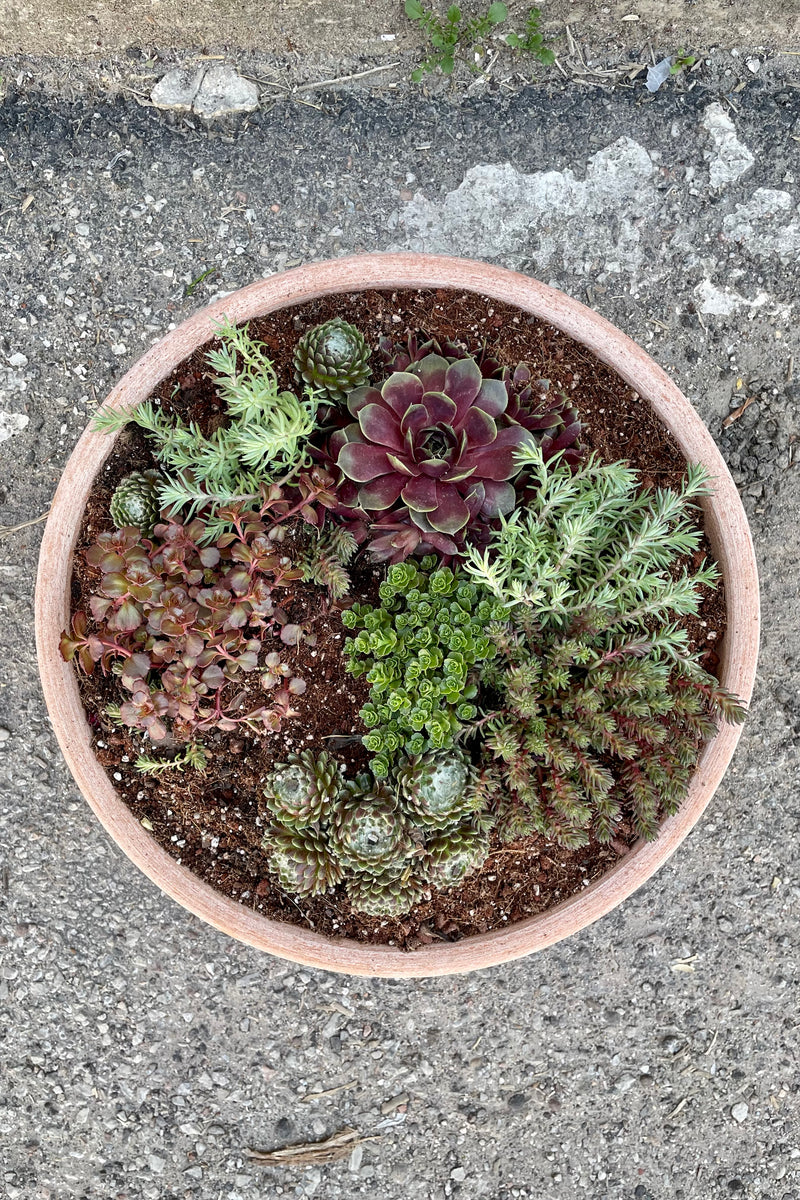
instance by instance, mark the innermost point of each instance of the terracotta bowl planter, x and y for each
(726, 526)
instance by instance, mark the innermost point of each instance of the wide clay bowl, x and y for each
(726, 526)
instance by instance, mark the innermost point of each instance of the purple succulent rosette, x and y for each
(434, 441)
(554, 419)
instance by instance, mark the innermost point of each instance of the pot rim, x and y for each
(726, 527)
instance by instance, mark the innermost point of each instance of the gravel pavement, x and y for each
(655, 1055)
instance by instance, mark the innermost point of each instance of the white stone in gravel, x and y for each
(4, 735)
(740, 1112)
(223, 91)
(177, 89)
(767, 223)
(156, 1164)
(732, 158)
(355, 1158)
(11, 423)
(18, 360)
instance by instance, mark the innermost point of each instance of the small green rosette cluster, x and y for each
(419, 652)
(388, 844)
(135, 503)
(332, 358)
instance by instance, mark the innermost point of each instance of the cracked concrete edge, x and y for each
(344, 29)
(209, 92)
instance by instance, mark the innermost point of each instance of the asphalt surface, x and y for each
(655, 1055)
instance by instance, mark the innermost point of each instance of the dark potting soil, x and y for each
(210, 821)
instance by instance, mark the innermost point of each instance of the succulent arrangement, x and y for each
(513, 609)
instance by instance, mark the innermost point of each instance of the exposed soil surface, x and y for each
(211, 821)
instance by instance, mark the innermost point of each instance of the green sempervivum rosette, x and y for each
(301, 791)
(384, 895)
(438, 789)
(302, 861)
(333, 358)
(135, 502)
(454, 854)
(368, 833)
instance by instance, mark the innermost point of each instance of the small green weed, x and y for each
(531, 40)
(194, 756)
(682, 62)
(454, 31)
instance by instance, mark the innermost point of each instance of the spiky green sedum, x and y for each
(603, 707)
(262, 440)
(419, 651)
(326, 557)
(333, 358)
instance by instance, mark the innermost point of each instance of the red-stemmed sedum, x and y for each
(187, 622)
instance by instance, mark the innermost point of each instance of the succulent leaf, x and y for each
(431, 437)
(454, 854)
(384, 895)
(438, 789)
(368, 832)
(302, 861)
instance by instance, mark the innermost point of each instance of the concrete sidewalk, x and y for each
(653, 1057)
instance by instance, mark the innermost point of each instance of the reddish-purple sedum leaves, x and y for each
(181, 616)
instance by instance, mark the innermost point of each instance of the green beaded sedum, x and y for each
(135, 502)
(384, 895)
(368, 833)
(301, 791)
(333, 358)
(438, 789)
(454, 854)
(302, 862)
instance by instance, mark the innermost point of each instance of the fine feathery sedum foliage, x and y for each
(262, 441)
(332, 358)
(390, 843)
(419, 651)
(327, 555)
(601, 708)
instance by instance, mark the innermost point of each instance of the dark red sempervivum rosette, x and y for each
(435, 442)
